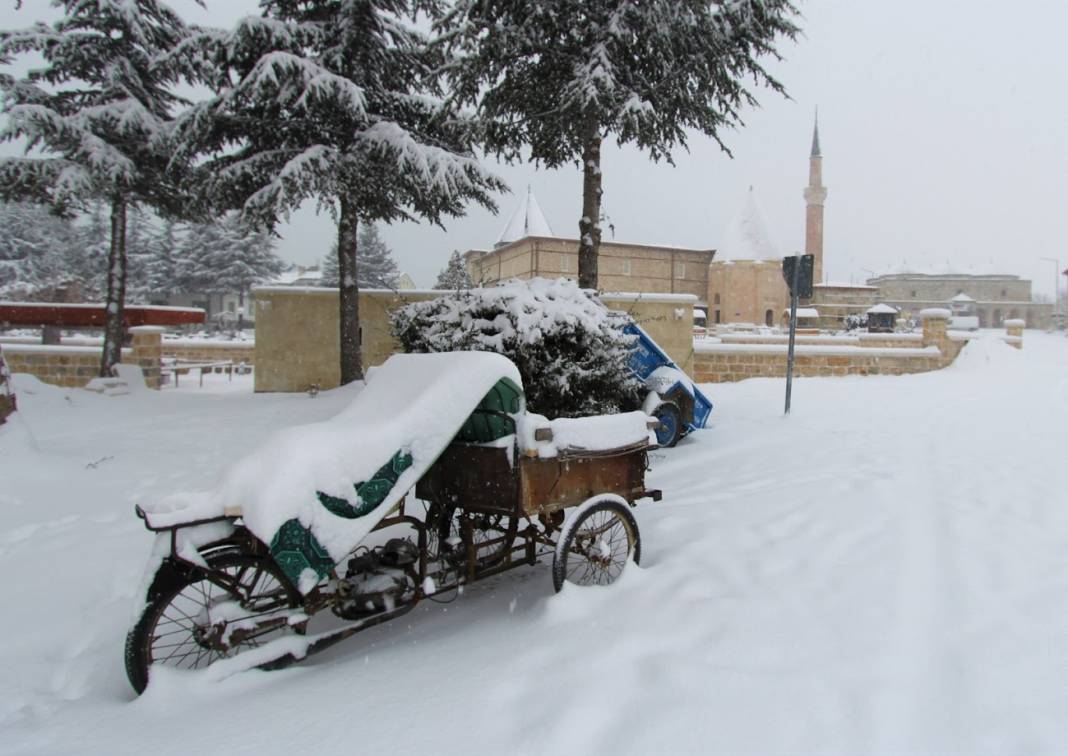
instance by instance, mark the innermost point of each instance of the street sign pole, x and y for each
(793, 333)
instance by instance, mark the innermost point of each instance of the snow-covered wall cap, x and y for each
(962, 297)
(638, 296)
(935, 313)
(882, 309)
(147, 329)
(333, 290)
(804, 312)
(1015, 323)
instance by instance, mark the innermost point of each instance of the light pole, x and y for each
(1056, 282)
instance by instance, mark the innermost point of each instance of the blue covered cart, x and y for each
(673, 398)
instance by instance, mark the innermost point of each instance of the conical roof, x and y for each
(746, 236)
(527, 220)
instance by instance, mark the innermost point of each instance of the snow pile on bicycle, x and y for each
(285, 534)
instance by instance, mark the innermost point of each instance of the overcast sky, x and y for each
(942, 126)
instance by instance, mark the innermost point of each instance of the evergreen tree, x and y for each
(162, 265)
(225, 257)
(35, 249)
(99, 110)
(557, 76)
(138, 255)
(375, 266)
(454, 275)
(336, 101)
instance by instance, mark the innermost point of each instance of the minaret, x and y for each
(815, 194)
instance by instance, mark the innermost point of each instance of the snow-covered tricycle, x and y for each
(321, 519)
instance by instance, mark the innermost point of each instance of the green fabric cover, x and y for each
(490, 420)
(294, 547)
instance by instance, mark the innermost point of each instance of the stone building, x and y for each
(997, 297)
(745, 283)
(527, 248)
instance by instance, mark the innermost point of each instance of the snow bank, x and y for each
(982, 354)
(414, 405)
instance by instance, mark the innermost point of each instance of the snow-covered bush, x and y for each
(571, 352)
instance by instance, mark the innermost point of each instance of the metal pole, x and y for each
(793, 331)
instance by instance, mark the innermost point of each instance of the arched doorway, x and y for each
(1014, 314)
(997, 318)
(981, 314)
(769, 318)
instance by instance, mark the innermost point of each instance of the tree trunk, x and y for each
(116, 301)
(351, 358)
(590, 225)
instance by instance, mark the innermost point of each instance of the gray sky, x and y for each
(941, 126)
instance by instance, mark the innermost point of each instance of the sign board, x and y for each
(804, 275)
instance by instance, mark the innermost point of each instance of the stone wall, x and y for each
(297, 334)
(726, 361)
(620, 267)
(198, 350)
(746, 291)
(297, 331)
(75, 366)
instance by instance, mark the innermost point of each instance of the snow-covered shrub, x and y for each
(853, 322)
(571, 352)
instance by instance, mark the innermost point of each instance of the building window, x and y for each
(680, 270)
(769, 318)
(563, 263)
(913, 294)
(715, 299)
(626, 267)
(717, 316)
(1004, 293)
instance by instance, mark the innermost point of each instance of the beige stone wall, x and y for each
(720, 367)
(668, 322)
(72, 367)
(297, 334)
(195, 351)
(297, 331)
(744, 291)
(726, 362)
(621, 267)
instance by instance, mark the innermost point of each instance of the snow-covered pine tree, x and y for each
(202, 244)
(375, 266)
(98, 110)
(454, 275)
(139, 234)
(35, 247)
(225, 257)
(162, 264)
(340, 102)
(557, 76)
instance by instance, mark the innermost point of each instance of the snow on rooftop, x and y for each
(746, 236)
(527, 220)
(882, 309)
(962, 297)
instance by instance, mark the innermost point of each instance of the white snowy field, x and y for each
(885, 571)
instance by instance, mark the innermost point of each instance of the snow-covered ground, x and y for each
(885, 571)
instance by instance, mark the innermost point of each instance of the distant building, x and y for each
(527, 248)
(993, 298)
(745, 283)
